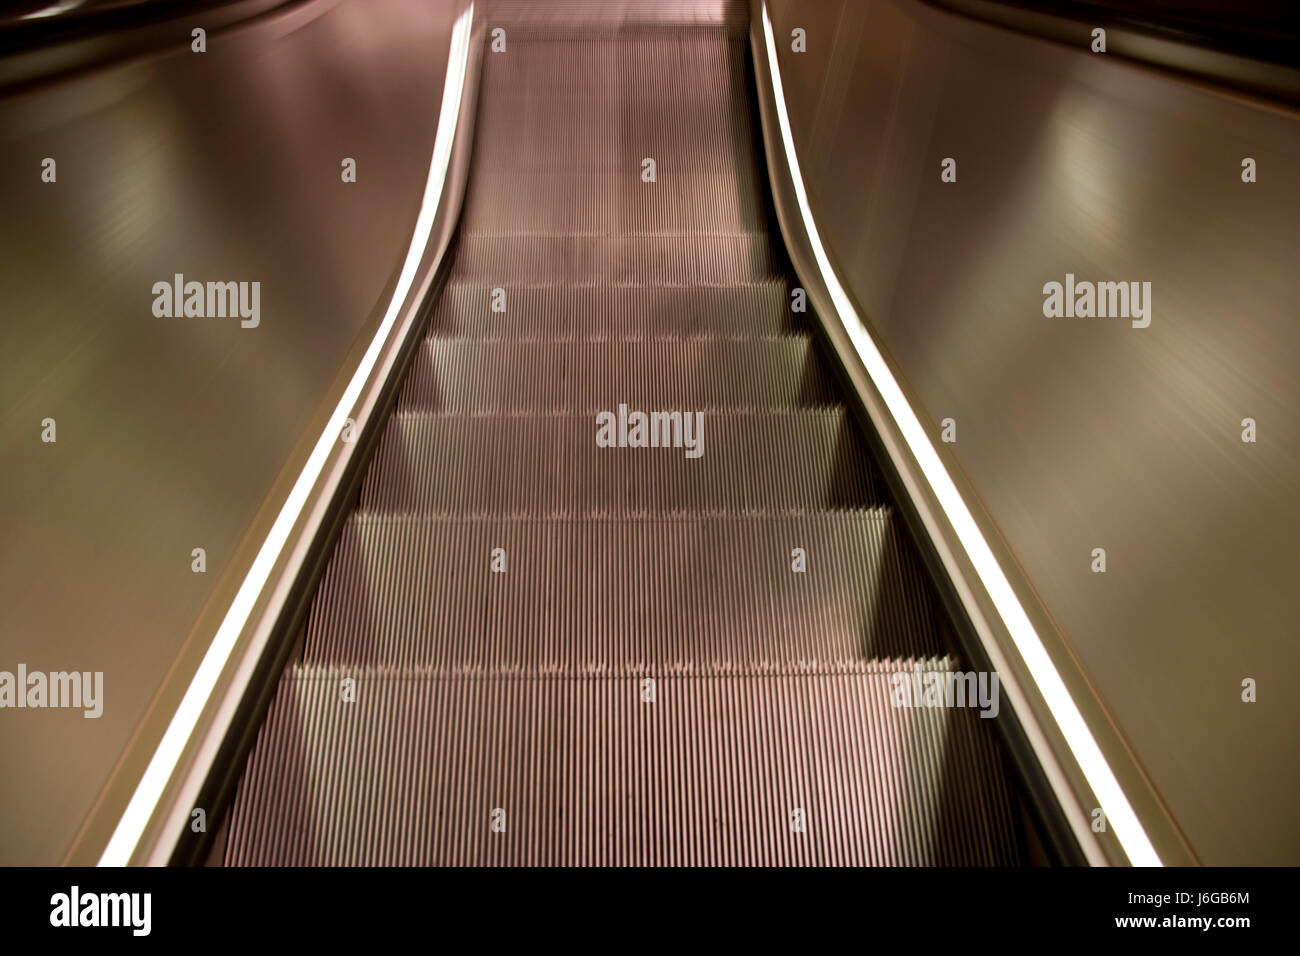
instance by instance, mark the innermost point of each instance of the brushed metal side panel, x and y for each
(171, 432)
(1085, 433)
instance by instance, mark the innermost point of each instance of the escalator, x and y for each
(532, 649)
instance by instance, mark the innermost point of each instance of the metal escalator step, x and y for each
(613, 202)
(601, 595)
(602, 260)
(574, 120)
(813, 769)
(551, 465)
(593, 97)
(562, 313)
(567, 16)
(472, 688)
(640, 70)
(460, 376)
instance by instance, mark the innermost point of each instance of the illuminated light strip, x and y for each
(147, 793)
(1127, 828)
(53, 10)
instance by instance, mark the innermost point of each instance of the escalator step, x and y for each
(566, 314)
(484, 628)
(573, 154)
(529, 465)
(564, 17)
(717, 770)
(459, 376)
(613, 201)
(599, 595)
(499, 261)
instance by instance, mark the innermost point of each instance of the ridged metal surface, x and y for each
(507, 585)
(752, 461)
(560, 19)
(584, 131)
(575, 313)
(542, 376)
(711, 773)
(605, 260)
(604, 594)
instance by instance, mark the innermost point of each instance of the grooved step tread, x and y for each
(507, 587)
(802, 460)
(605, 260)
(568, 313)
(463, 376)
(613, 201)
(711, 773)
(569, 148)
(564, 17)
(603, 595)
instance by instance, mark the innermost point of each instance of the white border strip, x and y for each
(1119, 813)
(150, 789)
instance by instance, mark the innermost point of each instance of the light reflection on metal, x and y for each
(135, 818)
(1083, 745)
(53, 10)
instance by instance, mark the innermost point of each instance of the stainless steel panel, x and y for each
(1086, 433)
(221, 166)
